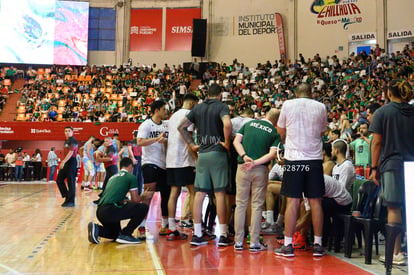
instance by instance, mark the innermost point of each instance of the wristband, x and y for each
(374, 168)
(243, 156)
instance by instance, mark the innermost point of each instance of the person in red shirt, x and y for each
(19, 166)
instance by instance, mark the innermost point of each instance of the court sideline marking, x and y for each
(155, 259)
(26, 196)
(10, 269)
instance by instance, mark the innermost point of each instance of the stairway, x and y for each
(10, 108)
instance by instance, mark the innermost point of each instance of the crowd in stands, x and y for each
(123, 94)
(351, 89)
(97, 93)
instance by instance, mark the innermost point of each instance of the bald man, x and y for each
(256, 143)
(301, 125)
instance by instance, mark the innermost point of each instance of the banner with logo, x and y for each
(55, 130)
(337, 12)
(146, 30)
(179, 28)
(281, 36)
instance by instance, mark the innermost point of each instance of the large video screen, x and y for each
(44, 32)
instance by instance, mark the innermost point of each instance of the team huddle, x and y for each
(193, 149)
(241, 163)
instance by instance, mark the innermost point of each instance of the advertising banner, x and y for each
(337, 12)
(55, 130)
(146, 30)
(281, 36)
(179, 28)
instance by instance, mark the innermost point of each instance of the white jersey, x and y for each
(276, 172)
(237, 123)
(335, 190)
(304, 120)
(345, 174)
(178, 155)
(154, 153)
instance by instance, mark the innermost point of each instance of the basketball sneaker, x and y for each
(197, 241)
(285, 251)
(141, 233)
(176, 235)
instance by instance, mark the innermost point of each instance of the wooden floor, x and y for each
(37, 236)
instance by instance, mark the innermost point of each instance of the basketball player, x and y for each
(99, 166)
(88, 163)
(180, 165)
(152, 136)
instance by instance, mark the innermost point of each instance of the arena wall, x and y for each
(306, 31)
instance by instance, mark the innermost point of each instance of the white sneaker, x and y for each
(258, 247)
(398, 259)
(265, 225)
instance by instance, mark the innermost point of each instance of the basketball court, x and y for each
(38, 236)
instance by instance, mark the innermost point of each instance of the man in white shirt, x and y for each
(344, 170)
(238, 121)
(301, 125)
(152, 137)
(180, 165)
(52, 162)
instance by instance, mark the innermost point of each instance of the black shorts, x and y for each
(231, 187)
(303, 177)
(180, 176)
(153, 173)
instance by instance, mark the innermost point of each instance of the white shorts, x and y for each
(100, 168)
(89, 168)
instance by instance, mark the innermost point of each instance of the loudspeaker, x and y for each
(198, 46)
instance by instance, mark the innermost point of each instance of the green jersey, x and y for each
(117, 188)
(258, 137)
(362, 152)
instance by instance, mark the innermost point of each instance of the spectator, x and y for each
(52, 162)
(37, 164)
(392, 145)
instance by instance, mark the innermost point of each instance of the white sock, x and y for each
(187, 220)
(270, 217)
(143, 223)
(280, 219)
(197, 230)
(318, 240)
(264, 214)
(288, 241)
(83, 183)
(171, 224)
(87, 184)
(100, 184)
(164, 222)
(223, 230)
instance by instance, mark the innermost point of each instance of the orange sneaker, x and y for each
(299, 241)
(163, 231)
